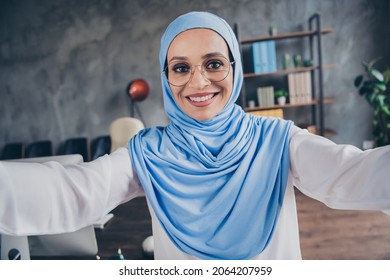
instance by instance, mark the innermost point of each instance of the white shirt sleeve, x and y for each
(51, 198)
(341, 176)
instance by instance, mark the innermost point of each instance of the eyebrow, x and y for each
(208, 55)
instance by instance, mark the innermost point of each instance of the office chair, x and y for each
(122, 129)
(14, 150)
(76, 146)
(100, 146)
(39, 149)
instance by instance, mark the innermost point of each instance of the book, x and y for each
(291, 88)
(264, 57)
(256, 58)
(308, 87)
(271, 50)
(265, 96)
(247, 58)
(300, 87)
(260, 57)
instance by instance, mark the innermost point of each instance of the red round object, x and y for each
(138, 89)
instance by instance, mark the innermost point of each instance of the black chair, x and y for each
(39, 149)
(13, 150)
(100, 146)
(76, 146)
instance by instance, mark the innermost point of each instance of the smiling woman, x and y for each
(208, 188)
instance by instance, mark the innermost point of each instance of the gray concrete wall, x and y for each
(65, 65)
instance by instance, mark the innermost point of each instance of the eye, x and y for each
(214, 65)
(180, 68)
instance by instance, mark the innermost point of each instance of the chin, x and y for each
(203, 117)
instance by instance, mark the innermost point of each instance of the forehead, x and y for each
(199, 41)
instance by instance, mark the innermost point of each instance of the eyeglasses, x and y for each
(214, 69)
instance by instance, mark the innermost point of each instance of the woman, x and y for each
(219, 182)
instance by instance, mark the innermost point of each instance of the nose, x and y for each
(197, 79)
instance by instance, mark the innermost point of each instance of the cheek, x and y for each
(177, 94)
(173, 91)
(229, 85)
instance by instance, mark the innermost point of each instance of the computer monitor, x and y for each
(79, 244)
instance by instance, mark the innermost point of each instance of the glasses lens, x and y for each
(214, 69)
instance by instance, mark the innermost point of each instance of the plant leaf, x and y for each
(358, 81)
(362, 91)
(371, 98)
(367, 88)
(376, 74)
(380, 86)
(380, 99)
(372, 62)
(386, 110)
(386, 75)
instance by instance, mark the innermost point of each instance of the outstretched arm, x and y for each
(52, 198)
(341, 176)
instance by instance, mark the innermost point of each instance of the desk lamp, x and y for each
(138, 90)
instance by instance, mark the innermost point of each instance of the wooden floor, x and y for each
(325, 233)
(328, 234)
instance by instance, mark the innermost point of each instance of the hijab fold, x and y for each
(216, 186)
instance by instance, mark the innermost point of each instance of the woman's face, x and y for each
(200, 98)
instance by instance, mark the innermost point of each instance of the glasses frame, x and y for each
(165, 71)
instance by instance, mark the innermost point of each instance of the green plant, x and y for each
(375, 87)
(280, 93)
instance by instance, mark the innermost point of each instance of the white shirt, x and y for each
(50, 198)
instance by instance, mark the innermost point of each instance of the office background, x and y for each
(65, 65)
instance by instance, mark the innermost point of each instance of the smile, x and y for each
(201, 98)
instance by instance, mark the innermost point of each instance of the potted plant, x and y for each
(272, 29)
(374, 86)
(281, 96)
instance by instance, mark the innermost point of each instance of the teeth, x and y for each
(201, 99)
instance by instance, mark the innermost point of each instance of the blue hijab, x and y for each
(216, 186)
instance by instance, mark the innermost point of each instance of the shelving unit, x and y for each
(314, 33)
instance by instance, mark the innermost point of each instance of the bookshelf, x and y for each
(317, 100)
(289, 105)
